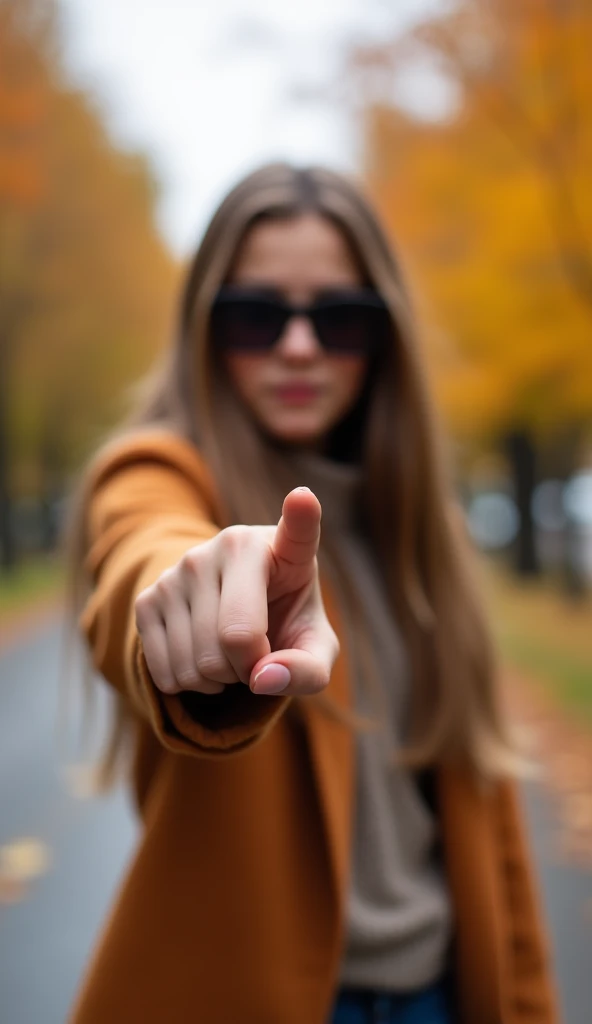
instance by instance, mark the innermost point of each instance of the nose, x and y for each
(298, 341)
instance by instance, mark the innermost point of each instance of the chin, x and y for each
(293, 434)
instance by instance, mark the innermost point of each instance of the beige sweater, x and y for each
(398, 913)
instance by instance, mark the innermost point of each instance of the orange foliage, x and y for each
(23, 102)
(87, 280)
(493, 210)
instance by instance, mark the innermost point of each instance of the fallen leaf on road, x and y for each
(12, 891)
(564, 747)
(21, 861)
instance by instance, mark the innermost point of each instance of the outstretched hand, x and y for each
(243, 607)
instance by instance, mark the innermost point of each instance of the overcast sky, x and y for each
(211, 88)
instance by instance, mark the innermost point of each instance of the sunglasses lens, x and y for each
(350, 327)
(344, 323)
(245, 324)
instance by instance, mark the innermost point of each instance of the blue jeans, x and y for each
(360, 1006)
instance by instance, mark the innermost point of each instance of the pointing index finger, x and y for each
(299, 529)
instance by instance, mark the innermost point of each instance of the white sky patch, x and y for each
(424, 91)
(212, 88)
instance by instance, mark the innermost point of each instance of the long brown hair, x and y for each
(408, 509)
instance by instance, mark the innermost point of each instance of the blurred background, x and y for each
(122, 124)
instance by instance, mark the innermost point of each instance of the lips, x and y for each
(296, 394)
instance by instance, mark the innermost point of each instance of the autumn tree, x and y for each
(90, 279)
(492, 207)
(23, 104)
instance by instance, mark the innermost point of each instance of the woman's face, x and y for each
(296, 391)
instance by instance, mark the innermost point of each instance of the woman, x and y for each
(331, 830)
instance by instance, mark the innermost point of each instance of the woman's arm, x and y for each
(149, 500)
(222, 612)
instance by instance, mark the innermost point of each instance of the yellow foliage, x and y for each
(87, 280)
(493, 211)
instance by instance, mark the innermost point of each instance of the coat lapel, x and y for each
(472, 877)
(331, 744)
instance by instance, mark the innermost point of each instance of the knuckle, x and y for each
(166, 685)
(192, 562)
(236, 635)
(167, 584)
(235, 538)
(142, 605)
(211, 665)
(186, 676)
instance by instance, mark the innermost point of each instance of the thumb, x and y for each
(297, 672)
(298, 532)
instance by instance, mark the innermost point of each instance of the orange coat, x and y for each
(232, 910)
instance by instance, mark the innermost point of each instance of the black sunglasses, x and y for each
(352, 321)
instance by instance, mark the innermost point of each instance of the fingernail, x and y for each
(302, 489)
(271, 679)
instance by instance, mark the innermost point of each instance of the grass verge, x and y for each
(544, 634)
(33, 581)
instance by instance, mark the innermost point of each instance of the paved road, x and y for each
(45, 939)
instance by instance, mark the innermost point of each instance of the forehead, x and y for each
(303, 252)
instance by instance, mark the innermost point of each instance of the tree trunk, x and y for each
(562, 460)
(8, 553)
(521, 453)
(52, 470)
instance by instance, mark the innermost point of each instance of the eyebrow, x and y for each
(268, 289)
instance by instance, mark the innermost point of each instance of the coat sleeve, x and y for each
(532, 992)
(146, 505)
